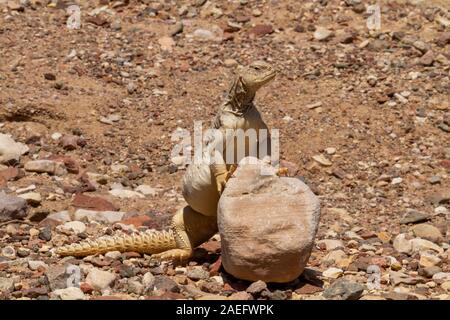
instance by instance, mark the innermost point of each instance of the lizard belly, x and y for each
(200, 190)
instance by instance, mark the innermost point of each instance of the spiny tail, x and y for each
(149, 242)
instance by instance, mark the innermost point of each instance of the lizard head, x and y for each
(256, 75)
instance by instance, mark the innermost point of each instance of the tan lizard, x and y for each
(202, 184)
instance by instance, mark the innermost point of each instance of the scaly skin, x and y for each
(202, 184)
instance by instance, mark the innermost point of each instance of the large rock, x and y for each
(267, 224)
(12, 207)
(10, 150)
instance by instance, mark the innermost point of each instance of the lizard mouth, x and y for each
(268, 77)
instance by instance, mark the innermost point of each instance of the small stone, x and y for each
(126, 194)
(99, 279)
(9, 252)
(397, 278)
(49, 76)
(197, 273)
(402, 245)
(261, 30)
(99, 216)
(147, 190)
(419, 245)
(148, 280)
(6, 285)
(45, 234)
(414, 216)
(115, 255)
(331, 244)
(256, 287)
(12, 207)
(164, 283)
(446, 286)
(396, 181)
(322, 34)
(10, 150)
(343, 289)
(71, 293)
(135, 287)
(33, 198)
(74, 226)
(429, 272)
(441, 277)
(427, 59)
(434, 180)
(230, 63)
(428, 259)
(35, 265)
(46, 166)
(322, 160)
(92, 203)
(428, 232)
(333, 273)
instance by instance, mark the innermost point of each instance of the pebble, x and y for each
(343, 289)
(71, 293)
(115, 255)
(11, 150)
(428, 232)
(414, 216)
(45, 234)
(99, 279)
(34, 265)
(429, 272)
(166, 44)
(428, 259)
(12, 207)
(333, 273)
(32, 198)
(148, 280)
(73, 226)
(197, 273)
(147, 190)
(46, 166)
(6, 284)
(256, 287)
(322, 160)
(322, 34)
(9, 252)
(331, 244)
(126, 194)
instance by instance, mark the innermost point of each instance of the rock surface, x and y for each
(267, 225)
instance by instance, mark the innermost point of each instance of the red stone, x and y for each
(445, 164)
(137, 221)
(211, 246)
(261, 30)
(71, 165)
(215, 267)
(86, 288)
(11, 174)
(308, 289)
(93, 203)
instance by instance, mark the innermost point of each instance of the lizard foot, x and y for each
(173, 255)
(282, 172)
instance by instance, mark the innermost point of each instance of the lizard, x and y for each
(202, 183)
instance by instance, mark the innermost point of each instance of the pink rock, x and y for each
(267, 224)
